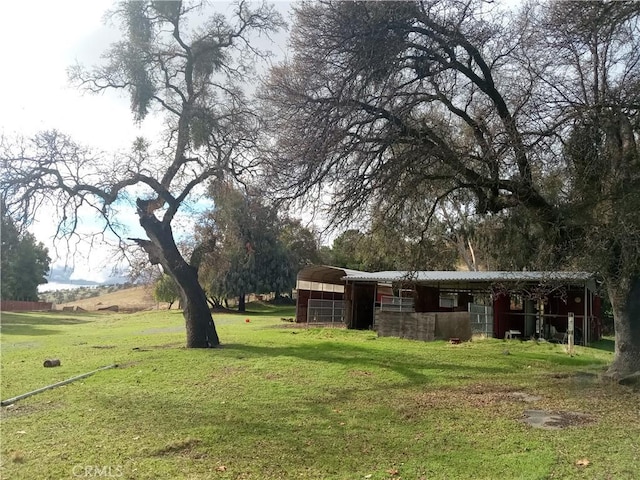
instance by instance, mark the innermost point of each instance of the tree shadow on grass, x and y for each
(605, 344)
(367, 382)
(411, 367)
(31, 324)
(27, 330)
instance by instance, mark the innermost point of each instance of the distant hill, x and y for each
(127, 299)
(65, 293)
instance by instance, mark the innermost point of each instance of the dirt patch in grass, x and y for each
(288, 324)
(230, 371)
(16, 456)
(183, 448)
(19, 410)
(159, 347)
(556, 420)
(481, 395)
(360, 373)
(306, 326)
(580, 377)
(475, 395)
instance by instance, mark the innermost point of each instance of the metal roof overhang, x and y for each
(327, 274)
(459, 280)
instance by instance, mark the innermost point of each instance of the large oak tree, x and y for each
(187, 64)
(401, 106)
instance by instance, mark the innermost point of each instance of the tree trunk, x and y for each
(241, 303)
(161, 248)
(625, 300)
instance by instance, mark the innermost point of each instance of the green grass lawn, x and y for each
(277, 402)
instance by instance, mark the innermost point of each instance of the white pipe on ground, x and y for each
(9, 401)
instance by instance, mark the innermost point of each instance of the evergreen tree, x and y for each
(25, 263)
(246, 248)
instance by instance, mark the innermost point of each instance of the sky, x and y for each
(41, 39)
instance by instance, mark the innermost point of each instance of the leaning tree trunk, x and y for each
(161, 248)
(625, 300)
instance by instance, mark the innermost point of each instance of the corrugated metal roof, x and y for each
(459, 276)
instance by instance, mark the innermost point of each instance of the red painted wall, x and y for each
(558, 306)
(501, 309)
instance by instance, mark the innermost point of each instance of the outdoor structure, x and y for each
(445, 304)
(24, 306)
(321, 294)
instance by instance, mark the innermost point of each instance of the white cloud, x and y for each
(46, 38)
